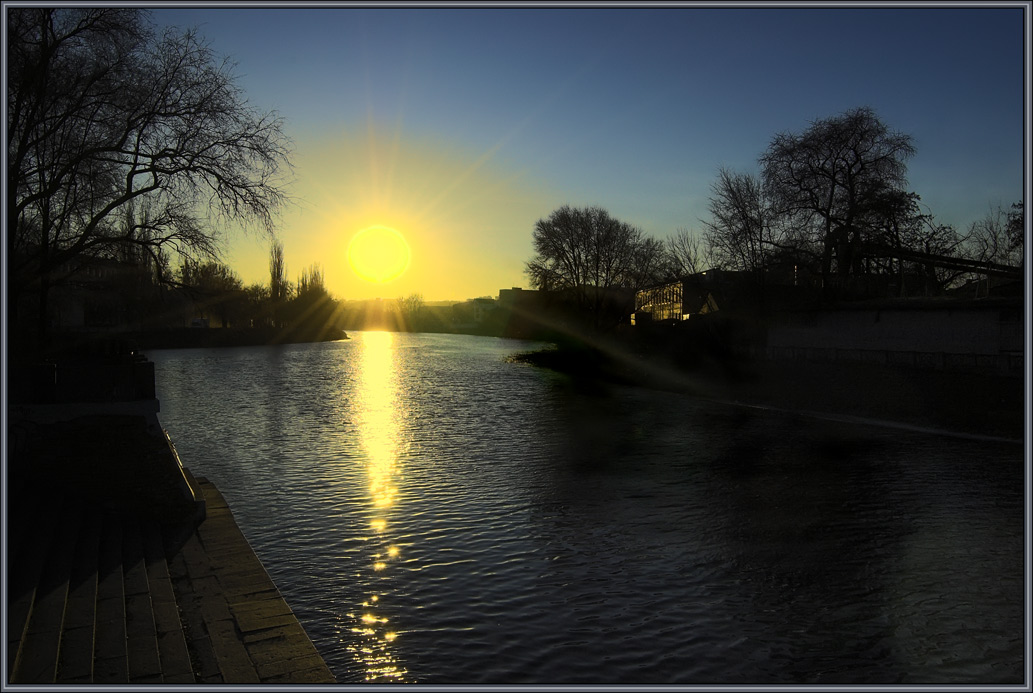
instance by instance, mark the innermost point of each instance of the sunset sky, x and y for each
(461, 127)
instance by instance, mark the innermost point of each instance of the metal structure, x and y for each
(990, 269)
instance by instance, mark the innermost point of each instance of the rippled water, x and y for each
(437, 514)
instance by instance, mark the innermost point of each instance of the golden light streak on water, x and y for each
(379, 433)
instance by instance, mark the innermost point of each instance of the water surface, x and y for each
(436, 513)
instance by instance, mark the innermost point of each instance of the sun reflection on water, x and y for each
(379, 433)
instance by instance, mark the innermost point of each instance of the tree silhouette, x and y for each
(586, 253)
(215, 289)
(686, 253)
(829, 179)
(1015, 230)
(104, 112)
(312, 310)
(997, 237)
(582, 247)
(279, 286)
(411, 307)
(256, 310)
(740, 233)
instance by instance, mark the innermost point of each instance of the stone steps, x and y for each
(75, 658)
(28, 551)
(175, 661)
(238, 626)
(94, 603)
(102, 597)
(43, 605)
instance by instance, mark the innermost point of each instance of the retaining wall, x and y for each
(974, 338)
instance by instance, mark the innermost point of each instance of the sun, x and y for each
(379, 254)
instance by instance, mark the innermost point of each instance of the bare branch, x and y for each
(104, 115)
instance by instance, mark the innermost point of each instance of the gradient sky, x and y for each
(461, 127)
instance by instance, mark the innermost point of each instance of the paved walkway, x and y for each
(105, 597)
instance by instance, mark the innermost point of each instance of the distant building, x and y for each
(522, 313)
(719, 290)
(473, 313)
(661, 302)
(694, 294)
(102, 293)
(516, 296)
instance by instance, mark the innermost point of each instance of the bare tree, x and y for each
(587, 252)
(411, 307)
(1016, 232)
(739, 234)
(997, 237)
(311, 309)
(934, 239)
(312, 281)
(686, 254)
(256, 308)
(649, 263)
(103, 111)
(899, 233)
(826, 180)
(279, 286)
(214, 288)
(576, 248)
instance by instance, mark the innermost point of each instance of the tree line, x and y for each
(831, 201)
(217, 294)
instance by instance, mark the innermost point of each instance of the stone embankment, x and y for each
(124, 569)
(962, 402)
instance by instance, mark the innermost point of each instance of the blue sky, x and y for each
(466, 125)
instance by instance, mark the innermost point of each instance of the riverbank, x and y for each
(957, 402)
(209, 337)
(79, 345)
(119, 574)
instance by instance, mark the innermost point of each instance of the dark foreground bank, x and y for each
(193, 338)
(124, 569)
(971, 403)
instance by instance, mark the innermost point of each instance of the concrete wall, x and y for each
(987, 338)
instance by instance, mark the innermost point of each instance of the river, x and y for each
(436, 513)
